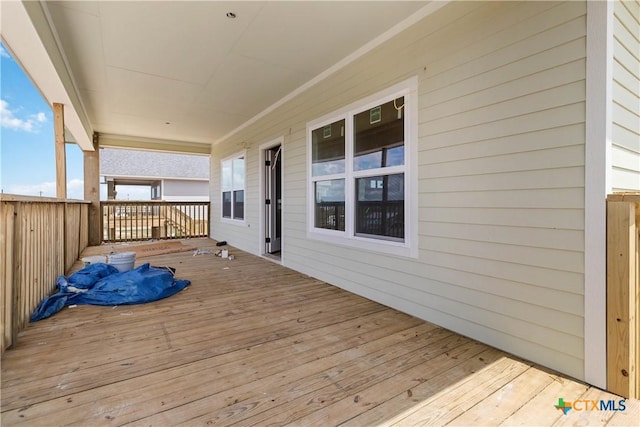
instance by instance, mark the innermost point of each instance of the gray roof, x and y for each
(115, 162)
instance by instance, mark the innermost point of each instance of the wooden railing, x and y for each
(380, 218)
(330, 215)
(623, 294)
(40, 239)
(124, 221)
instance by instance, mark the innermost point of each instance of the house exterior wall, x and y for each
(625, 154)
(181, 190)
(501, 134)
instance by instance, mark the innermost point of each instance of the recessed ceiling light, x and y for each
(231, 15)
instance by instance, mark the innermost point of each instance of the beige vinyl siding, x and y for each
(500, 200)
(625, 154)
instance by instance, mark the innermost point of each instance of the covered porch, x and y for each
(251, 342)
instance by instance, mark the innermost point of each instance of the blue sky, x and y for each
(27, 152)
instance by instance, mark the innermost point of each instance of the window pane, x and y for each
(379, 137)
(327, 145)
(226, 204)
(380, 206)
(329, 204)
(226, 175)
(238, 173)
(238, 204)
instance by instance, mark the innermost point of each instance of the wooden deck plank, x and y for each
(253, 343)
(541, 403)
(382, 407)
(229, 321)
(154, 356)
(181, 331)
(400, 381)
(506, 400)
(628, 417)
(230, 369)
(318, 384)
(451, 402)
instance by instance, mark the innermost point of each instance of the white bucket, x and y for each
(123, 261)
(94, 260)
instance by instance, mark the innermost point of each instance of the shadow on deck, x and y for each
(254, 343)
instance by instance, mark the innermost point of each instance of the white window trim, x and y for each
(234, 221)
(600, 17)
(408, 248)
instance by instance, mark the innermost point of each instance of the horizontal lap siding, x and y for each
(501, 100)
(625, 155)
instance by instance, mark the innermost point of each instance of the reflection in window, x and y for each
(226, 204)
(329, 204)
(238, 204)
(232, 182)
(238, 173)
(227, 176)
(380, 206)
(379, 137)
(327, 145)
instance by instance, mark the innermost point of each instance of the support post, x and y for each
(61, 157)
(622, 298)
(92, 190)
(111, 189)
(17, 266)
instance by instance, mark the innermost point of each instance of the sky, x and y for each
(27, 148)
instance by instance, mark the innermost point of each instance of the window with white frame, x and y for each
(360, 171)
(233, 183)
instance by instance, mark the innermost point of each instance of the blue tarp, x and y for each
(103, 284)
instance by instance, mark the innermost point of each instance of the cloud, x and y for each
(9, 120)
(4, 53)
(75, 189)
(44, 189)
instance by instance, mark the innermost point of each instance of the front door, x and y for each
(273, 199)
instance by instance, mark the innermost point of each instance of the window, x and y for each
(360, 169)
(328, 169)
(232, 182)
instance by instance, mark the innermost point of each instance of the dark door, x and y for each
(273, 202)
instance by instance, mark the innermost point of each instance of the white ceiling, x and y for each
(140, 65)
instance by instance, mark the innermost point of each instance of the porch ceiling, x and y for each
(185, 72)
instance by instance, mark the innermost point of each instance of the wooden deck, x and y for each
(253, 343)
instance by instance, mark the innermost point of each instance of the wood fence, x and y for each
(40, 239)
(623, 294)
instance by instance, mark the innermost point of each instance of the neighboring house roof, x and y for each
(114, 162)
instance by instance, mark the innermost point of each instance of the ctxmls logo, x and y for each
(590, 405)
(563, 406)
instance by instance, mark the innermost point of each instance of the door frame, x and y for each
(261, 194)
